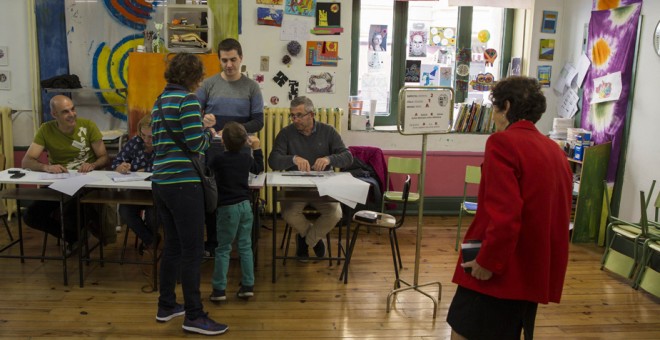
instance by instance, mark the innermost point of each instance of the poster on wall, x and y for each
(305, 8)
(270, 2)
(269, 16)
(547, 49)
(543, 74)
(549, 24)
(378, 38)
(412, 71)
(418, 41)
(322, 53)
(442, 36)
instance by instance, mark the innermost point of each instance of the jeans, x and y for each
(182, 217)
(132, 216)
(45, 216)
(234, 222)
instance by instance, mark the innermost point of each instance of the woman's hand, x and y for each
(478, 272)
(123, 168)
(208, 120)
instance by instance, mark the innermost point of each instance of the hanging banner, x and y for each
(611, 49)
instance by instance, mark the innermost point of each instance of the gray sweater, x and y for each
(324, 141)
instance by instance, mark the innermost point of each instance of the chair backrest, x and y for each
(657, 207)
(646, 200)
(472, 174)
(404, 196)
(401, 165)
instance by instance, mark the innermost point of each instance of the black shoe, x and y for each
(319, 249)
(218, 295)
(209, 250)
(302, 251)
(245, 292)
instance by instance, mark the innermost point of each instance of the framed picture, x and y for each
(544, 73)
(549, 24)
(4, 56)
(5, 80)
(547, 49)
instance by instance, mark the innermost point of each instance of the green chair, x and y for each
(405, 166)
(624, 236)
(472, 177)
(648, 275)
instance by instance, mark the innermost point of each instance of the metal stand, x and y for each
(420, 214)
(423, 110)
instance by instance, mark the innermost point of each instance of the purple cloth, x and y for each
(374, 157)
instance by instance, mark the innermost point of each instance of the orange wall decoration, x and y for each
(146, 80)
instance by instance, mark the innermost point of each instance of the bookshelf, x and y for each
(473, 118)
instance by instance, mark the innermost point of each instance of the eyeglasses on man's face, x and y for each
(294, 116)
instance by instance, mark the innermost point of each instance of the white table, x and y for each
(296, 189)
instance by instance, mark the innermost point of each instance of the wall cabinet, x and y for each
(188, 28)
(590, 174)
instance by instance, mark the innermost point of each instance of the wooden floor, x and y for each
(307, 301)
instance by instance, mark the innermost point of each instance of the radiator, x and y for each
(277, 118)
(7, 149)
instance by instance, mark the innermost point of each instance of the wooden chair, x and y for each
(626, 238)
(385, 221)
(472, 177)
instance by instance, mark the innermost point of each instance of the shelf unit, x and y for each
(198, 22)
(588, 210)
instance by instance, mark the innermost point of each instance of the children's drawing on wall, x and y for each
(269, 16)
(549, 24)
(270, 2)
(516, 66)
(412, 71)
(429, 75)
(446, 74)
(378, 38)
(442, 36)
(322, 53)
(323, 82)
(543, 74)
(328, 14)
(375, 61)
(607, 88)
(293, 89)
(547, 49)
(5, 80)
(417, 44)
(300, 7)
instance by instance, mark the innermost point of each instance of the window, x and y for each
(418, 39)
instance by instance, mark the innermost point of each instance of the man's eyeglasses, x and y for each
(293, 116)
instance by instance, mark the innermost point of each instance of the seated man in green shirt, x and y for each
(72, 144)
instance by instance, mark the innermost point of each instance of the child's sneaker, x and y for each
(245, 292)
(218, 295)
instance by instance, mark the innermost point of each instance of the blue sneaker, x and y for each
(167, 314)
(204, 325)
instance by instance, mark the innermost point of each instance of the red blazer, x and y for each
(522, 218)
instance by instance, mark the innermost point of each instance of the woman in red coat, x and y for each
(522, 223)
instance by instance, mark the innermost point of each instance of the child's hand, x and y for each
(254, 142)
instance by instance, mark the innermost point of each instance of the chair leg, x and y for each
(328, 248)
(288, 230)
(349, 254)
(4, 220)
(396, 244)
(397, 285)
(43, 247)
(458, 229)
(123, 249)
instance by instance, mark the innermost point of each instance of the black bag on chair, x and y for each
(206, 175)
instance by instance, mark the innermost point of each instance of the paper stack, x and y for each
(560, 128)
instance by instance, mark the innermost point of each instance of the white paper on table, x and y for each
(582, 67)
(568, 104)
(63, 175)
(129, 177)
(344, 188)
(71, 185)
(295, 29)
(607, 88)
(568, 73)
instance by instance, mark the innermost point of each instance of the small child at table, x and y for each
(234, 214)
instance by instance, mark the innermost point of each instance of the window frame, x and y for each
(399, 34)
